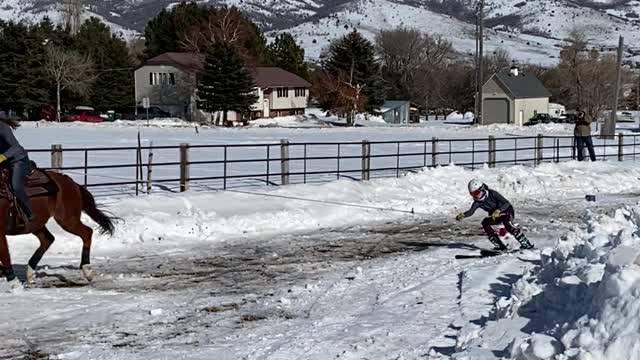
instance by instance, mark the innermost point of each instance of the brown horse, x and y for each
(52, 195)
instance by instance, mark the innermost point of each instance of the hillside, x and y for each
(530, 29)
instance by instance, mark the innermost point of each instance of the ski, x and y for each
(488, 253)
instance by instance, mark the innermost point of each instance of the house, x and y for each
(396, 112)
(169, 81)
(513, 98)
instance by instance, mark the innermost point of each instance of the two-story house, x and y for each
(169, 81)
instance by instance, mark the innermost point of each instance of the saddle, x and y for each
(38, 184)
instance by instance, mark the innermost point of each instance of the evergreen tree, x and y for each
(114, 84)
(23, 83)
(164, 32)
(225, 84)
(353, 59)
(286, 54)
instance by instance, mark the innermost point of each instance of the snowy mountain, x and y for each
(530, 29)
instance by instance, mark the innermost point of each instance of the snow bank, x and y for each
(175, 219)
(158, 123)
(294, 121)
(585, 297)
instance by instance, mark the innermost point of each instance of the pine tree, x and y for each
(353, 59)
(114, 85)
(286, 54)
(23, 83)
(164, 32)
(225, 84)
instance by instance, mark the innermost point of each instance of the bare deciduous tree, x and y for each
(70, 71)
(223, 25)
(586, 78)
(346, 98)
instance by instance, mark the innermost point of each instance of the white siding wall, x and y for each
(530, 107)
(290, 102)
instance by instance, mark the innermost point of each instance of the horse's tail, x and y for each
(104, 221)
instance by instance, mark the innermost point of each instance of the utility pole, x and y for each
(480, 60)
(609, 128)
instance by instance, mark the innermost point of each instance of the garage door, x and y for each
(496, 111)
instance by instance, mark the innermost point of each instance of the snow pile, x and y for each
(585, 297)
(293, 121)
(157, 123)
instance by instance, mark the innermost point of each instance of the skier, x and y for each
(500, 211)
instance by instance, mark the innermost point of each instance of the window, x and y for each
(162, 79)
(283, 92)
(301, 92)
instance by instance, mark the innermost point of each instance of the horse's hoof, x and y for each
(88, 272)
(31, 276)
(15, 286)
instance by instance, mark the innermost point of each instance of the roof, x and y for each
(393, 104)
(275, 76)
(262, 76)
(188, 62)
(523, 86)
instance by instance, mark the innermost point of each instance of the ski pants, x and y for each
(505, 219)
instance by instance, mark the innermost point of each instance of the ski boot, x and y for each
(498, 245)
(525, 244)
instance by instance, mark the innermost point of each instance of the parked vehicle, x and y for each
(539, 118)
(83, 115)
(129, 113)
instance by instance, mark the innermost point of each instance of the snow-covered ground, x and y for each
(334, 270)
(286, 274)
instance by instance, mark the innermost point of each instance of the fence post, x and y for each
(620, 147)
(366, 160)
(492, 151)
(150, 169)
(184, 167)
(540, 147)
(284, 161)
(434, 151)
(56, 158)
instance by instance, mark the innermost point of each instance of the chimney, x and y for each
(514, 71)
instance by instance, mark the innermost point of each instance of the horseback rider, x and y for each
(16, 155)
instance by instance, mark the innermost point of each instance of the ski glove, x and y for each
(2, 158)
(460, 216)
(496, 214)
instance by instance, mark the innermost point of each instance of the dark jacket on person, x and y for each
(9, 146)
(583, 127)
(492, 202)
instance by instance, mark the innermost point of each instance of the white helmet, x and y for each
(477, 189)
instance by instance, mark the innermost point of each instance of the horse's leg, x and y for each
(73, 225)
(46, 239)
(5, 259)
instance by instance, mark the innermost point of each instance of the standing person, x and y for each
(500, 212)
(12, 152)
(582, 134)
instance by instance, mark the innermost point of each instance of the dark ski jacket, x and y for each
(9, 146)
(492, 202)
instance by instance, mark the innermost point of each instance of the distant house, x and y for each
(169, 81)
(396, 112)
(513, 98)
